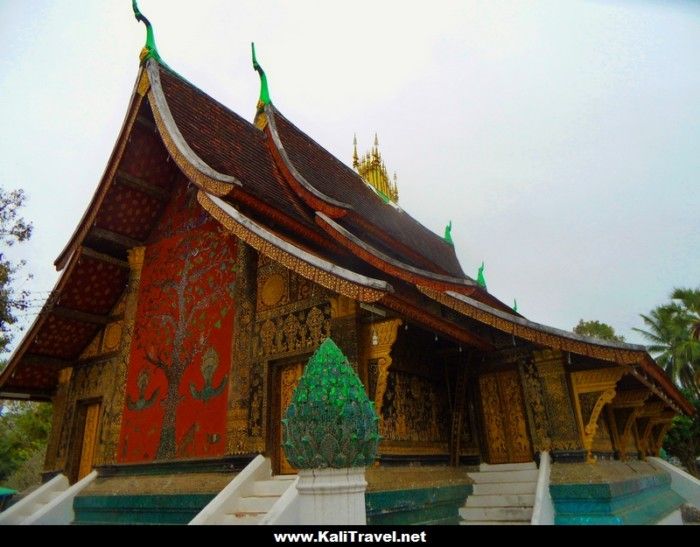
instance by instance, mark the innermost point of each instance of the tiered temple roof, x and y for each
(281, 192)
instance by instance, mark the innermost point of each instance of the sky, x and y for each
(559, 137)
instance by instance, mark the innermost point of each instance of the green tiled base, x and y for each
(416, 506)
(643, 500)
(139, 509)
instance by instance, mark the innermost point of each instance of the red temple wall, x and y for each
(178, 374)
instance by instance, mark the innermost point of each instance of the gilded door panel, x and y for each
(87, 452)
(518, 440)
(288, 379)
(497, 451)
(505, 424)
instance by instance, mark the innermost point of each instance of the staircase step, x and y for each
(241, 518)
(495, 500)
(504, 488)
(270, 487)
(255, 504)
(529, 475)
(496, 513)
(487, 467)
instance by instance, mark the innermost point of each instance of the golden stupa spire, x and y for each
(373, 170)
(355, 159)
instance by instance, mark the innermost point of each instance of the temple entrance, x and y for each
(505, 425)
(87, 419)
(286, 379)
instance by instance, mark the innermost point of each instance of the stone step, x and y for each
(504, 488)
(488, 468)
(495, 500)
(255, 504)
(528, 475)
(270, 487)
(241, 519)
(284, 477)
(496, 513)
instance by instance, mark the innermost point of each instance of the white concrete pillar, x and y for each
(332, 496)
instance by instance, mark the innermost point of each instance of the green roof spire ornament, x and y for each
(149, 51)
(330, 422)
(515, 305)
(448, 233)
(480, 279)
(264, 91)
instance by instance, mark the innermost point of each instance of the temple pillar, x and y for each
(593, 389)
(344, 318)
(563, 430)
(623, 411)
(377, 339)
(112, 415)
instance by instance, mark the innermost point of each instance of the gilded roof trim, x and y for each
(297, 176)
(194, 167)
(616, 352)
(309, 266)
(396, 267)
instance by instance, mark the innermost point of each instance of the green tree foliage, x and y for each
(599, 330)
(24, 430)
(13, 229)
(683, 439)
(673, 330)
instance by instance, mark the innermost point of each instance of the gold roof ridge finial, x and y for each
(373, 170)
(355, 159)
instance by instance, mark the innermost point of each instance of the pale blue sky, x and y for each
(560, 137)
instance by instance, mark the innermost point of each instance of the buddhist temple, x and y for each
(215, 257)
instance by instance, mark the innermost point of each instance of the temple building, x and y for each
(217, 254)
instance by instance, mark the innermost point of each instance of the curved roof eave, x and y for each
(314, 268)
(316, 198)
(194, 167)
(617, 352)
(370, 254)
(90, 213)
(40, 319)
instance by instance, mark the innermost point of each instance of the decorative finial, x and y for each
(515, 305)
(355, 159)
(330, 422)
(149, 51)
(264, 91)
(448, 232)
(480, 279)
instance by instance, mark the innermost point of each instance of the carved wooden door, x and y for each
(287, 379)
(87, 450)
(507, 439)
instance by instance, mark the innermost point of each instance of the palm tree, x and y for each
(674, 332)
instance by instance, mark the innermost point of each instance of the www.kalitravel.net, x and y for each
(351, 536)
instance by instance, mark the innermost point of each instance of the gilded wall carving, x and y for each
(505, 425)
(560, 414)
(415, 409)
(409, 388)
(493, 419)
(114, 400)
(279, 314)
(535, 405)
(239, 428)
(377, 339)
